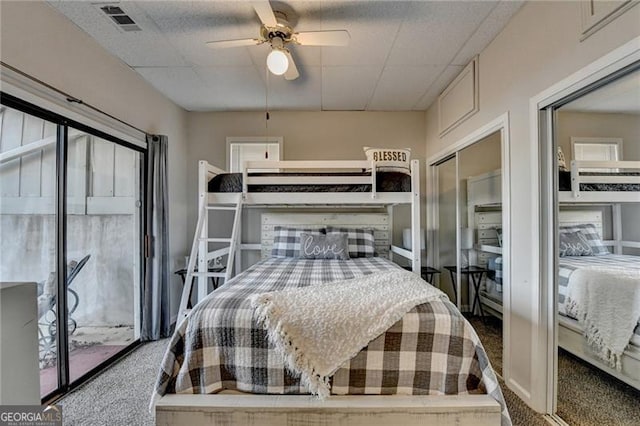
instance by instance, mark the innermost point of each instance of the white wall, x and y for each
(39, 41)
(335, 135)
(538, 47)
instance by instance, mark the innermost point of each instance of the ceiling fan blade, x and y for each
(292, 72)
(323, 38)
(223, 44)
(265, 13)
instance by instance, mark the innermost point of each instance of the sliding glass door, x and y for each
(103, 226)
(28, 239)
(71, 227)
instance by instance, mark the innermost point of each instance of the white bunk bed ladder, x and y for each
(200, 251)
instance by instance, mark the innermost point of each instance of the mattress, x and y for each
(385, 182)
(569, 264)
(432, 350)
(564, 182)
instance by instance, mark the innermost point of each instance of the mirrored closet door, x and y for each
(596, 251)
(468, 238)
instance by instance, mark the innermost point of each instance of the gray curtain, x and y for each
(156, 314)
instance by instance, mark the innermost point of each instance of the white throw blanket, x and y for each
(606, 301)
(319, 328)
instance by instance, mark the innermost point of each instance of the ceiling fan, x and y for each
(278, 32)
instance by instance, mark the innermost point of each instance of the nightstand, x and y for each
(214, 280)
(476, 273)
(426, 272)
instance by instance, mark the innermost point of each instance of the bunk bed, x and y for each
(600, 182)
(190, 391)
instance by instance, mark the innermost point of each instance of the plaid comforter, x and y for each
(433, 350)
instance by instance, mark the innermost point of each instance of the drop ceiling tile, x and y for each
(488, 30)
(400, 87)
(180, 84)
(148, 47)
(372, 31)
(348, 87)
(438, 86)
(189, 25)
(434, 31)
(232, 88)
(303, 93)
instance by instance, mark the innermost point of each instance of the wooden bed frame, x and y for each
(577, 196)
(571, 339)
(368, 410)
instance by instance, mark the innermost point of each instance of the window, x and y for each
(596, 149)
(241, 149)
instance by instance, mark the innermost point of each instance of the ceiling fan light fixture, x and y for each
(277, 62)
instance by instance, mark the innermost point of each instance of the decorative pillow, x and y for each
(286, 241)
(321, 246)
(390, 159)
(574, 244)
(562, 163)
(499, 235)
(591, 234)
(361, 240)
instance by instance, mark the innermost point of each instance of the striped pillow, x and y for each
(286, 241)
(361, 240)
(589, 231)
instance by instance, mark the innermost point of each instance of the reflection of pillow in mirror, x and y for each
(591, 234)
(562, 163)
(574, 244)
(499, 235)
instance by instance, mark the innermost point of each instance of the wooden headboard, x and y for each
(379, 222)
(576, 217)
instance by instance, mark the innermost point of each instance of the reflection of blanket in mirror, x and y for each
(606, 302)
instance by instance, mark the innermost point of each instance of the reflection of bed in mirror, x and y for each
(571, 334)
(484, 204)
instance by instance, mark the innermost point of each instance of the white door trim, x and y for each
(501, 124)
(543, 371)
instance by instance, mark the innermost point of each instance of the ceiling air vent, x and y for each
(120, 18)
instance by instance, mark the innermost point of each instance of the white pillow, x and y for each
(562, 164)
(390, 159)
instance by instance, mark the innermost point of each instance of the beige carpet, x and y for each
(586, 395)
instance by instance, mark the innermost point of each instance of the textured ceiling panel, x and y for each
(305, 92)
(348, 88)
(181, 84)
(372, 31)
(148, 47)
(488, 30)
(189, 28)
(434, 31)
(401, 87)
(621, 96)
(233, 88)
(438, 86)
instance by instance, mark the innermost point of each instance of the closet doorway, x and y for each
(468, 222)
(594, 249)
